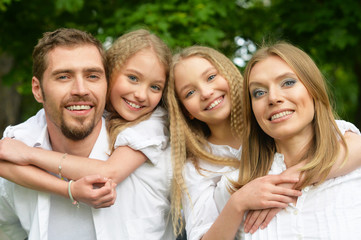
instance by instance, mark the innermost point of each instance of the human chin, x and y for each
(77, 130)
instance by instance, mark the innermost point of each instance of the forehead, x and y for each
(269, 68)
(74, 57)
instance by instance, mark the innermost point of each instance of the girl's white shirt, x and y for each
(209, 194)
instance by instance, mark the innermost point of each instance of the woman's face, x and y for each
(138, 86)
(281, 103)
(202, 90)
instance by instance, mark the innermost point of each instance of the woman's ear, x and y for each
(36, 89)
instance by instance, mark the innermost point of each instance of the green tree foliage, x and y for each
(328, 30)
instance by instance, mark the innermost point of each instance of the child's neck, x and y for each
(222, 135)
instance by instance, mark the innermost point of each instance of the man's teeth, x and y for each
(78, 107)
(281, 114)
(133, 105)
(215, 103)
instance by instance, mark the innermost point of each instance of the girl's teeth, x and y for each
(133, 105)
(215, 103)
(281, 114)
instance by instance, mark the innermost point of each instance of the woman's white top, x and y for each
(209, 194)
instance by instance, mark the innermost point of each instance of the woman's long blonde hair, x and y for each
(189, 137)
(117, 55)
(258, 148)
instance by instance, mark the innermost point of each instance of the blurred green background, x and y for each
(329, 30)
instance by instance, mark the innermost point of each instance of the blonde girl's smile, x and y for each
(202, 90)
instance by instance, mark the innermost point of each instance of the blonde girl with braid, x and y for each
(137, 125)
(204, 104)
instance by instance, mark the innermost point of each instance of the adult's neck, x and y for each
(221, 134)
(83, 147)
(294, 148)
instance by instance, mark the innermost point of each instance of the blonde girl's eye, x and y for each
(132, 78)
(156, 88)
(189, 93)
(211, 77)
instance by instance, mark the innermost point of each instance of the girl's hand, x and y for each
(14, 151)
(257, 218)
(265, 192)
(95, 191)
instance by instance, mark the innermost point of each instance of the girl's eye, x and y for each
(189, 93)
(211, 77)
(156, 88)
(289, 82)
(132, 78)
(257, 93)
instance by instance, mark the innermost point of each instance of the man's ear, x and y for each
(36, 88)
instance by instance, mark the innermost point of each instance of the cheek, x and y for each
(257, 110)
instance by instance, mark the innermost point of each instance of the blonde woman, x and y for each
(137, 125)
(204, 102)
(288, 119)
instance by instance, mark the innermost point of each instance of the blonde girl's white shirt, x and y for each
(200, 210)
(142, 208)
(209, 191)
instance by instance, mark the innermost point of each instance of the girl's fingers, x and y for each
(261, 217)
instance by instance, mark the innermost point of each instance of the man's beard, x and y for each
(77, 133)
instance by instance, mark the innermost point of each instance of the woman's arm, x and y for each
(82, 190)
(120, 164)
(260, 193)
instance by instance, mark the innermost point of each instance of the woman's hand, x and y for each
(14, 151)
(95, 191)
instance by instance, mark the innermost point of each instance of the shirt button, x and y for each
(306, 189)
(295, 212)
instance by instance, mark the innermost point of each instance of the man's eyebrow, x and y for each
(95, 69)
(59, 71)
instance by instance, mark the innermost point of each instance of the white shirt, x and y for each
(209, 193)
(331, 210)
(142, 207)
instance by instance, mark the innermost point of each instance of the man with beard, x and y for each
(69, 79)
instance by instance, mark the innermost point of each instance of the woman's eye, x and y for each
(189, 93)
(211, 77)
(258, 93)
(132, 78)
(289, 82)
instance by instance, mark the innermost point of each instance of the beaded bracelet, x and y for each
(73, 201)
(59, 167)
